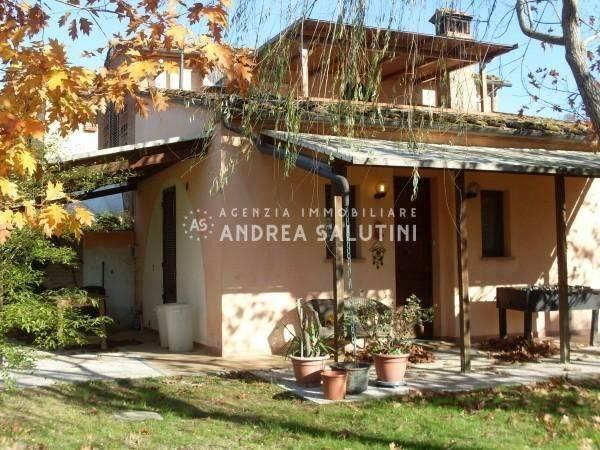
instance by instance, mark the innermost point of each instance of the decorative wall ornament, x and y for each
(377, 253)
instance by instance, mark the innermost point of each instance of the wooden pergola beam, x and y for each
(403, 71)
(304, 51)
(483, 88)
(563, 276)
(462, 271)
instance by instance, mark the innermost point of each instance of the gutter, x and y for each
(304, 162)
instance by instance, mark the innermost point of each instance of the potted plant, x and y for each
(357, 372)
(308, 350)
(392, 335)
(334, 384)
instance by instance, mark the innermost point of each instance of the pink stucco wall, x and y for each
(249, 288)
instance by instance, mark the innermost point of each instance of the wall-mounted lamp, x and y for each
(472, 190)
(381, 190)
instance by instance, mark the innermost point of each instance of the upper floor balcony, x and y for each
(329, 60)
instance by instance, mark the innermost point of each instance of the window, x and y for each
(113, 126)
(492, 224)
(328, 207)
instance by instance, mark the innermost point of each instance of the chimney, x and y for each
(452, 23)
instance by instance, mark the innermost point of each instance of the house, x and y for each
(217, 211)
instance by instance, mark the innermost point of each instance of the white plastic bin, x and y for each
(161, 315)
(162, 325)
(180, 327)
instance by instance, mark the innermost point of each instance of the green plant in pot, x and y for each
(307, 350)
(392, 333)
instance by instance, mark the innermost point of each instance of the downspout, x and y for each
(315, 166)
(302, 161)
(181, 67)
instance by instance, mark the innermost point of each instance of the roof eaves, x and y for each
(390, 116)
(123, 150)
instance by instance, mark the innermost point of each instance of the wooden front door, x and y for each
(413, 244)
(169, 246)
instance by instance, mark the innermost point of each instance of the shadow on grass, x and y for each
(288, 396)
(242, 376)
(218, 402)
(556, 396)
(111, 398)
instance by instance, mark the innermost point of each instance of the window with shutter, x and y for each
(169, 263)
(492, 224)
(113, 126)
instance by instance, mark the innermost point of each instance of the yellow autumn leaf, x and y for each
(26, 163)
(74, 227)
(19, 220)
(52, 218)
(56, 79)
(177, 33)
(6, 219)
(141, 69)
(159, 100)
(84, 216)
(54, 191)
(30, 211)
(170, 67)
(8, 189)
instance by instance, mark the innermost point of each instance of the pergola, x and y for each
(139, 161)
(460, 159)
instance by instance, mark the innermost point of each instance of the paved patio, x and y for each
(443, 375)
(147, 359)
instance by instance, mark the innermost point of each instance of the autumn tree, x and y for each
(41, 85)
(43, 90)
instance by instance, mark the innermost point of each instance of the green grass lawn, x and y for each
(239, 411)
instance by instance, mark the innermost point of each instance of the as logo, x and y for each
(197, 225)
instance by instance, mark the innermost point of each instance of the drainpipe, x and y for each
(310, 165)
(302, 161)
(313, 165)
(181, 67)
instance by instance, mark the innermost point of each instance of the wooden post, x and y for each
(528, 325)
(102, 314)
(594, 328)
(502, 322)
(442, 86)
(561, 258)
(463, 274)
(483, 89)
(304, 69)
(338, 277)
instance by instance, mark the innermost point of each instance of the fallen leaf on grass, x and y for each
(586, 444)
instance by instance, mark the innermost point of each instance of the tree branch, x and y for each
(526, 24)
(576, 55)
(591, 39)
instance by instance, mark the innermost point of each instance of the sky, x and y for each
(257, 20)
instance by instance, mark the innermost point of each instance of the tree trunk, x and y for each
(576, 55)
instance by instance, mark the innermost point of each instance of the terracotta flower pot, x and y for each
(357, 379)
(390, 368)
(308, 370)
(334, 384)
